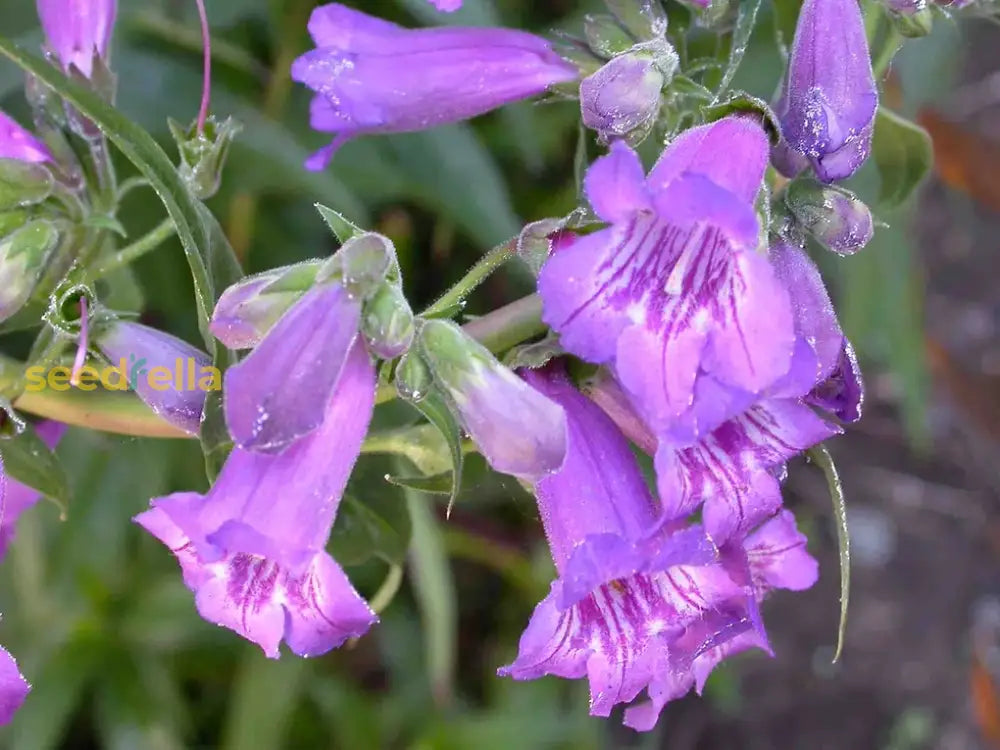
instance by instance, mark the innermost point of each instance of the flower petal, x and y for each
(13, 687)
(615, 184)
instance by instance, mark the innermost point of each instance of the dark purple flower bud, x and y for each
(13, 687)
(18, 143)
(828, 111)
(518, 430)
(372, 76)
(253, 549)
(78, 30)
(835, 217)
(169, 375)
(22, 258)
(248, 309)
(623, 98)
(20, 497)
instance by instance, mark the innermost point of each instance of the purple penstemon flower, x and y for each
(253, 548)
(673, 294)
(13, 687)
(18, 497)
(277, 394)
(78, 30)
(635, 598)
(168, 374)
(827, 110)
(17, 143)
(372, 76)
(623, 96)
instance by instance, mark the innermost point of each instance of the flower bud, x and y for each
(911, 19)
(413, 379)
(17, 143)
(169, 375)
(363, 263)
(643, 19)
(23, 183)
(623, 97)
(835, 217)
(22, 257)
(387, 322)
(248, 309)
(203, 155)
(519, 431)
(605, 36)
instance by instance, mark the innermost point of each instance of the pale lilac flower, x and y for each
(168, 374)
(18, 143)
(77, 30)
(673, 294)
(253, 549)
(827, 112)
(622, 97)
(13, 687)
(634, 600)
(372, 76)
(19, 497)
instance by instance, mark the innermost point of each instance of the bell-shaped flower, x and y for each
(635, 599)
(622, 98)
(775, 557)
(169, 375)
(733, 473)
(673, 294)
(17, 143)
(13, 687)
(253, 549)
(78, 30)
(278, 393)
(827, 111)
(18, 497)
(372, 76)
(518, 430)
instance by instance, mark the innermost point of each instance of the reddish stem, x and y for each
(206, 86)
(81, 348)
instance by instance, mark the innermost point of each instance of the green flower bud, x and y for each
(22, 257)
(835, 217)
(387, 322)
(204, 154)
(23, 183)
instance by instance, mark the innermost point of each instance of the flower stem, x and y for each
(206, 85)
(150, 241)
(476, 276)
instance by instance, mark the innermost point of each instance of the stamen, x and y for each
(81, 349)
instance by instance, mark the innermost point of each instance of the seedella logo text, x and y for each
(131, 373)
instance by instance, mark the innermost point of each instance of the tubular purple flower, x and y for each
(77, 30)
(828, 111)
(253, 549)
(673, 293)
(372, 76)
(169, 375)
(13, 687)
(18, 143)
(19, 497)
(622, 97)
(775, 557)
(631, 592)
(519, 431)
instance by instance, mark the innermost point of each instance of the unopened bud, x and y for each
(622, 99)
(22, 258)
(643, 19)
(519, 431)
(413, 380)
(363, 262)
(387, 322)
(835, 217)
(23, 183)
(914, 20)
(248, 309)
(204, 154)
(605, 36)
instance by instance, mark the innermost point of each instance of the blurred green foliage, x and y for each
(96, 610)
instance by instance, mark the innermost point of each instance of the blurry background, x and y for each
(96, 612)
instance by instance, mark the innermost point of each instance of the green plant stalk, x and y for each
(149, 241)
(822, 458)
(482, 270)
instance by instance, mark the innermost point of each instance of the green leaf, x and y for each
(342, 228)
(822, 458)
(438, 484)
(260, 716)
(742, 102)
(434, 588)
(379, 527)
(211, 259)
(423, 445)
(903, 154)
(28, 459)
(746, 17)
(434, 408)
(23, 184)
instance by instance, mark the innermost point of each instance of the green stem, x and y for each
(476, 276)
(890, 46)
(822, 458)
(508, 325)
(387, 591)
(150, 241)
(510, 564)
